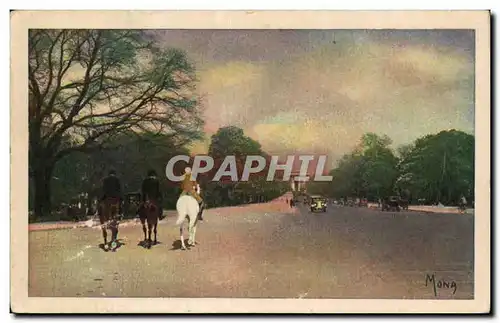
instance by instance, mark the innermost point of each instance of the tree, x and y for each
(370, 170)
(91, 85)
(371, 140)
(404, 151)
(319, 188)
(347, 180)
(231, 141)
(440, 167)
(379, 171)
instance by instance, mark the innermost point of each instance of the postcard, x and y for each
(250, 162)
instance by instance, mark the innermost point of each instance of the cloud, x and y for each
(297, 91)
(227, 91)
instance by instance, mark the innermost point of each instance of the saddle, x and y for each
(187, 193)
(150, 204)
(111, 202)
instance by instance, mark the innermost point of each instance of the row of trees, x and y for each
(131, 155)
(231, 141)
(438, 168)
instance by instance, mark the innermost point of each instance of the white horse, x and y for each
(187, 206)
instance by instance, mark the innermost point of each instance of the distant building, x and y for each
(298, 184)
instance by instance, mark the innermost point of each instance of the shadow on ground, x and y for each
(119, 244)
(144, 243)
(177, 245)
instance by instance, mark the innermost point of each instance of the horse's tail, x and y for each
(181, 211)
(186, 206)
(180, 218)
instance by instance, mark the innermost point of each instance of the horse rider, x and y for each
(112, 188)
(463, 201)
(150, 189)
(188, 186)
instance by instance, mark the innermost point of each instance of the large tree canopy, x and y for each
(232, 141)
(369, 171)
(88, 86)
(440, 167)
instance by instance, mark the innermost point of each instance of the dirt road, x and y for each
(267, 251)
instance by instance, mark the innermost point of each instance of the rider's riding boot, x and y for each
(200, 213)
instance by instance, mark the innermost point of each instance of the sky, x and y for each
(318, 91)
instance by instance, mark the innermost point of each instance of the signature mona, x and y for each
(440, 284)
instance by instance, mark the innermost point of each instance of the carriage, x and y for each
(404, 203)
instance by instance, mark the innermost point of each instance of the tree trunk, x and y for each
(42, 176)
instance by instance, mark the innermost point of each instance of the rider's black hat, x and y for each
(112, 172)
(151, 172)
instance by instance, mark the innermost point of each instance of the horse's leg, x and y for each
(114, 235)
(104, 234)
(114, 231)
(114, 228)
(194, 234)
(155, 228)
(191, 225)
(150, 228)
(157, 219)
(116, 223)
(143, 222)
(183, 245)
(102, 220)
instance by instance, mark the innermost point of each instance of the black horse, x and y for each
(108, 217)
(150, 214)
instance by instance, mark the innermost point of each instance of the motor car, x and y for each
(363, 202)
(350, 202)
(391, 203)
(318, 203)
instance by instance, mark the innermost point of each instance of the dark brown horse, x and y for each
(150, 213)
(108, 217)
